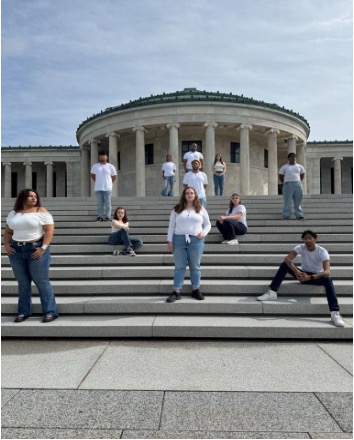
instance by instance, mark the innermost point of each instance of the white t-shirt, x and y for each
(292, 173)
(236, 210)
(104, 175)
(114, 229)
(196, 181)
(219, 167)
(191, 155)
(169, 169)
(28, 226)
(188, 222)
(312, 261)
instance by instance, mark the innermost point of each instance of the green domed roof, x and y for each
(192, 95)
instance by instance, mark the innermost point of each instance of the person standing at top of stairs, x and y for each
(291, 175)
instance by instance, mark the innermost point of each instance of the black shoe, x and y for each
(301, 218)
(99, 219)
(21, 318)
(107, 219)
(174, 297)
(49, 318)
(197, 295)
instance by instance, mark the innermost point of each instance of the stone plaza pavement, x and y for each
(176, 389)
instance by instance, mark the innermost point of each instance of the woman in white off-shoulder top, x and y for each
(29, 231)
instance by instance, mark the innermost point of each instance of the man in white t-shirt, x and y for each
(197, 180)
(103, 174)
(315, 269)
(168, 175)
(291, 175)
(190, 155)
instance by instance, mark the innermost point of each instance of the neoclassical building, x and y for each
(253, 137)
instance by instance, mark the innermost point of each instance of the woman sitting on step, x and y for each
(120, 235)
(234, 222)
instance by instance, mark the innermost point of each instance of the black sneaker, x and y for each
(174, 297)
(107, 219)
(99, 219)
(197, 295)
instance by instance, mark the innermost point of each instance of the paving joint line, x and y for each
(93, 366)
(335, 360)
(327, 410)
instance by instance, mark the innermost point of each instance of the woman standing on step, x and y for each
(29, 231)
(234, 222)
(218, 169)
(189, 225)
(120, 235)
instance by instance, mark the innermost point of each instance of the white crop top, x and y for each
(28, 226)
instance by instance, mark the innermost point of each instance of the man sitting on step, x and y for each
(315, 269)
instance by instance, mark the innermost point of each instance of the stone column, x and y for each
(113, 157)
(301, 159)
(272, 146)
(209, 155)
(49, 184)
(140, 161)
(337, 175)
(7, 179)
(244, 159)
(315, 178)
(94, 159)
(174, 150)
(292, 144)
(28, 174)
(85, 171)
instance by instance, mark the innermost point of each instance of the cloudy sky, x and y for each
(65, 60)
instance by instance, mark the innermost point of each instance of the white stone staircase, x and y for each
(101, 295)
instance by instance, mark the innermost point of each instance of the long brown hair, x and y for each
(181, 205)
(124, 219)
(21, 199)
(218, 154)
(231, 204)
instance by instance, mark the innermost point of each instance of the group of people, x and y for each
(30, 227)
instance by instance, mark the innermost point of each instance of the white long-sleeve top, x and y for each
(188, 222)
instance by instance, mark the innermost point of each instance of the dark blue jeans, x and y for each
(122, 237)
(27, 270)
(219, 184)
(324, 281)
(230, 228)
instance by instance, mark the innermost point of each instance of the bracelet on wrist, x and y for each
(44, 246)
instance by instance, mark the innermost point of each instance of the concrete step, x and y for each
(234, 287)
(180, 326)
(225, 305)
(148, 272)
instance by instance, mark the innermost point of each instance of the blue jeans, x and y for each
(27, 270)
(219, 183)
(187, 253)
(230, 228)
(104, 201)
(202, 201)
(168, 181)
(324, 281)
(292, 191)
(122, 237)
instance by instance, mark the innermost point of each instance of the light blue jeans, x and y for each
(203, 201)
(292, 191)
(187, 253)
(27, 270)
(104, 203)
(168, 181)
(219, 184)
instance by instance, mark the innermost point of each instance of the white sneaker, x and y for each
(224, 242)
(232, 242)
(337, 319)
(270, 295)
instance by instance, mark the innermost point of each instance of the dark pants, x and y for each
(122, 237)
(230, 228)
(324, 281)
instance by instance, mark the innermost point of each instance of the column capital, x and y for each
(210, 124)
(113, 133)
(93, 141)
(140, 128)
(245, 126)
(27, 163)
(292, 136)
(272, 130)
(173, 124)
(337, 158)
(7, 163)
(48, 163)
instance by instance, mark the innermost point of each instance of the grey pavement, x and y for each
(176, 389)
